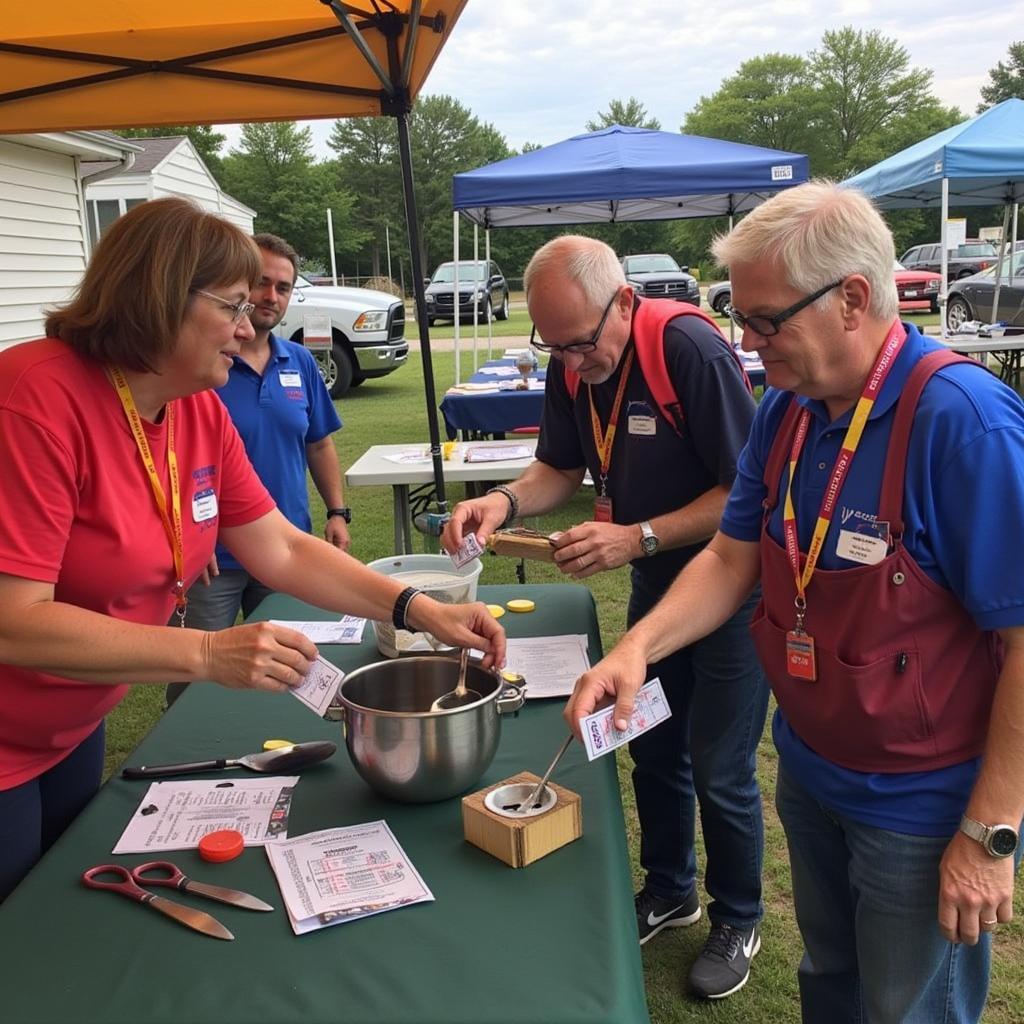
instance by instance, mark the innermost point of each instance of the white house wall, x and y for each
(42, 246)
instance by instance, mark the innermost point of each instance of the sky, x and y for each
(539, 70)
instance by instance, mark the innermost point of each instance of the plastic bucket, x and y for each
(435, 575)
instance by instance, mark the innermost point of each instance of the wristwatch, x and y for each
(345, 512)
(998, 840)
(649, 541)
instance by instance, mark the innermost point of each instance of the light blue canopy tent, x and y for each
(621, 174)
(979, 162)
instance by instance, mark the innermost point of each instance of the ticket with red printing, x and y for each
(649, 709)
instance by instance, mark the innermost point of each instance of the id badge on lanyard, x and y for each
(604, 439)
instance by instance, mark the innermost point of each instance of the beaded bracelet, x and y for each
(513, 501)
(398, 615)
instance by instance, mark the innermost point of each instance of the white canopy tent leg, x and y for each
(999, 262)
(487, 259)
(473, 290)
(455, 294)
(732, 326)
(944, 268)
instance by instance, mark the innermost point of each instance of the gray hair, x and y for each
(588, 262)
(819, 232)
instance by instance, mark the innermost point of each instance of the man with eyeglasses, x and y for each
(284, 414)
(660, 489)
(879, 502)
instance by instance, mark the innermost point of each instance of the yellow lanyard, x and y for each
(172, 520)
(604, 439)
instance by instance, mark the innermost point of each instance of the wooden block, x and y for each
(521, 545)
(520, 841)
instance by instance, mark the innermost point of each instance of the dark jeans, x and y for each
(706, 750)
(34, 814)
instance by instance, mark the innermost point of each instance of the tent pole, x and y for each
(999, 262)
(487, 257)
(413, 224)
(944, 267)
(457, 313)
(472, 292)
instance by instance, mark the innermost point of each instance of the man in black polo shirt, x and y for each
(660, 488)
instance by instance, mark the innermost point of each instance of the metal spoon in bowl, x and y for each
(527, 806)
(460, 696)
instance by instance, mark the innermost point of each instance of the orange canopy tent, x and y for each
(80, 64)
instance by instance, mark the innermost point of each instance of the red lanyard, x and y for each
(172, 520)
(603, 440)
(890, 350)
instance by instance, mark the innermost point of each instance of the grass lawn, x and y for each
(392, 410)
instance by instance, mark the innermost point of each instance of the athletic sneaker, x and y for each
(653, 914)
(724, 964)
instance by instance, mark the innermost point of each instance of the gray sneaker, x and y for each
(724, 963)
(653, 913)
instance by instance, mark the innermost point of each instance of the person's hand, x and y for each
(616, 677)
(593, 547)
(975, 890)
(460, 625)
(212, 569)
(481, 516)
(259, 656)
(336, 533)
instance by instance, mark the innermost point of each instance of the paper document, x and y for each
(317, 690)
(176, 815)
(549, 664)
(650, 708)
(410, 457)
(532, 384)
(499, 371)
(497, 452)
(346, 630)
(343, 874)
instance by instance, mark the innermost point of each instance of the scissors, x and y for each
(126, 886)
(174, 879)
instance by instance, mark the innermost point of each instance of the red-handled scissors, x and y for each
(126, 886)
(171, 876)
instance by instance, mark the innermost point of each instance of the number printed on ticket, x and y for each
(599, 733)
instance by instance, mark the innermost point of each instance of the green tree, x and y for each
(207, 142)
(866, 87)
(631, 113)
(1006, 80)
(273, 171)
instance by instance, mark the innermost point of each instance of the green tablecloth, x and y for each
(553, 942)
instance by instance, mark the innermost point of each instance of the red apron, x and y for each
(905, 677)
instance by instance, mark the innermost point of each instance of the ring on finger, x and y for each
(990, 924)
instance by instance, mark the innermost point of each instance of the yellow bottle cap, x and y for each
(277, 744)
(496, 610)
(520, 605)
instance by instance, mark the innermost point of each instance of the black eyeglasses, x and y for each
(579, 347)
(768, 326)
(239, 310)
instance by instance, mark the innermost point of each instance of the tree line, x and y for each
(847, 104)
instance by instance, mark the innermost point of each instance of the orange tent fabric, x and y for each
(77, 64)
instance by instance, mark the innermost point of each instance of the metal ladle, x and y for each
(531, 801)
(460, 696)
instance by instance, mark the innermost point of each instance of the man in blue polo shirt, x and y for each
(281, 408)
(892, 621)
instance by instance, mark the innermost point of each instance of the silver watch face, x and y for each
(649, 544)
(1003, 841)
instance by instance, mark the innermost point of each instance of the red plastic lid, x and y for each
(220, 846)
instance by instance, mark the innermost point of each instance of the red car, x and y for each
(916, 288)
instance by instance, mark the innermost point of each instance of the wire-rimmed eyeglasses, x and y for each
(768, 326)
(577, 347)
(239, 310)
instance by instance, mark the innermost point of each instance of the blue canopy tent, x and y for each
(622, 174)
(979, 162)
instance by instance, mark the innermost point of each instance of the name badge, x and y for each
(204, 506)
(800, 659)
(290, 379)
(861, 547)
(646, 426)
(602, 509)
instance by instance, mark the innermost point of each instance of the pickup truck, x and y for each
(658, 276)
(367, 332)
(972, 257)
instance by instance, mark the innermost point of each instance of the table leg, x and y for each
(403, 519)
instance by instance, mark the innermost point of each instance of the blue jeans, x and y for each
(707, 750)
(217, 606)
(867, 907)
(34, 814)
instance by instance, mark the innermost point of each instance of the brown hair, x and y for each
(133, 298)
(279, 247)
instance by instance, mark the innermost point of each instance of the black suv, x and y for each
(481, 284)
(658, 276)
(970, 258)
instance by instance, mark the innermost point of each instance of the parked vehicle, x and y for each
(970, 298)
(973, 256)
(481, 285)
(367, 332)
(914, 287)
(658, 276)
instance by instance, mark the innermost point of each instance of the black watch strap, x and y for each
(345, 512)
